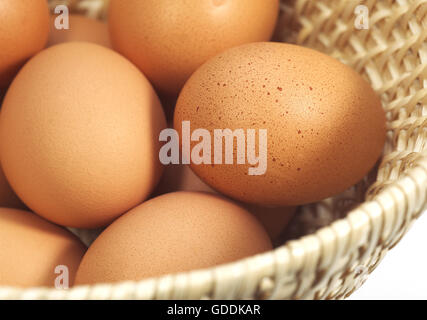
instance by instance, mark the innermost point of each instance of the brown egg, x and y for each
(172, 233)
(33, 248)
(169, 40)
(24, 28)
(318, 127)
(81, 29)
(79, 132)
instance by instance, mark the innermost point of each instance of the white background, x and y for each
(403, 272)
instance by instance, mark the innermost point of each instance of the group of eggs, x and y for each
(80, 126)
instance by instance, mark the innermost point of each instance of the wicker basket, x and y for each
(342, 239)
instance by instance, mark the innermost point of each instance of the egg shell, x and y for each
(182, 178)
(173, 233)
(81, 28)
(169, 40)
(31, 249)
(325, 125)
(24, 28)
(79, 135)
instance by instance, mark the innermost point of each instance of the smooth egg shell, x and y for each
(169, 40)
(24, 28)
(176, 232)
(79, 135)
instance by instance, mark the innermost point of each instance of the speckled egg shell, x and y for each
(325, 124)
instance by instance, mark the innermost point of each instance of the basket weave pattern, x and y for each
(342, 239)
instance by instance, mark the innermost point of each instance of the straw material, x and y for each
(342, 239)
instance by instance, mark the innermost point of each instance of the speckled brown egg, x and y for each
(325, 124)
(79, 134)
(32, 249)
(169, 40)
(81, 28)
(182, 178)
(24, 28)
(172, 233)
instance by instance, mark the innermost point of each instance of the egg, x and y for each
(312, 126)
(182, 178)
(169, 40)
(24, 28)
(81, 28)
(79, 134)
(173, 233)
(36, 253)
